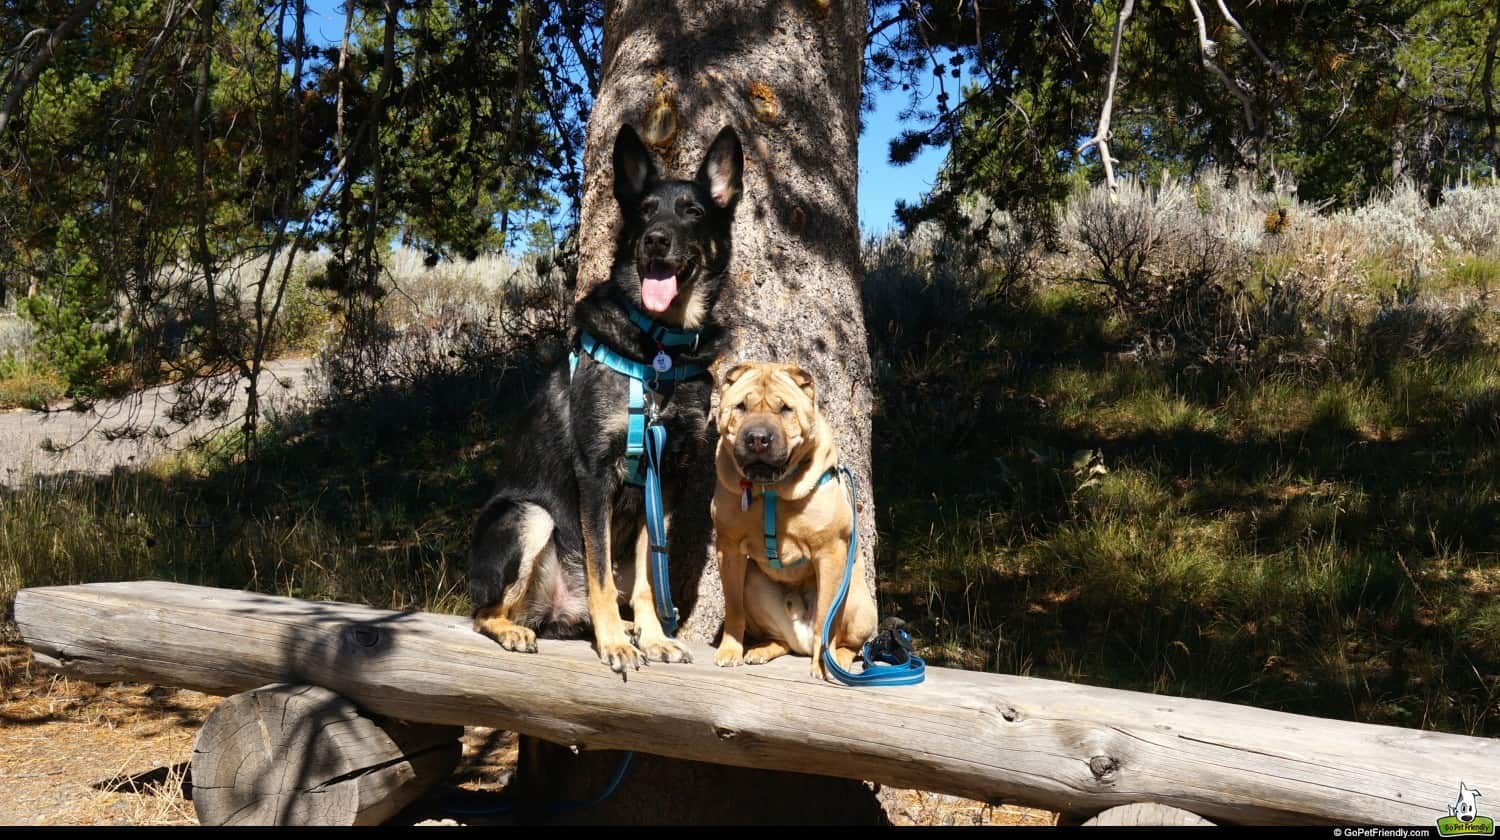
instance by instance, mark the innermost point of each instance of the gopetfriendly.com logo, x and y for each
(1464, 819)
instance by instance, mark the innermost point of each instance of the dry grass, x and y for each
(919, 807)
(75, 753)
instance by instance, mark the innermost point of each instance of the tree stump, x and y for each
(1146, 813)
(302, 755)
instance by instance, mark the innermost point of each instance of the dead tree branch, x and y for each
(1100, 140)
(1224, 10)
(1208, 49)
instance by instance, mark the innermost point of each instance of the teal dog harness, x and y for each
(768, 498)
(645, 435)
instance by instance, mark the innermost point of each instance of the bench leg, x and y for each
(302, 755)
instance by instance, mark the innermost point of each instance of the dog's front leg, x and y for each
(611, 638)
(732, 570)
(652, 639)
(830, 570)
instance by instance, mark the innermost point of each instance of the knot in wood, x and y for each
(725, 733)
(1010, 713)
(365, 636)
(1104, 767)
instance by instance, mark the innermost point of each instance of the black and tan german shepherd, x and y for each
(543, 559)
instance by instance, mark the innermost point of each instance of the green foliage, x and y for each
(1356, 94)
(74, 314)
(165, 168)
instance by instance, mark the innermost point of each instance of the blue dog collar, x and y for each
(661, 334)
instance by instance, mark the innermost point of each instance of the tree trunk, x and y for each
(787, 77)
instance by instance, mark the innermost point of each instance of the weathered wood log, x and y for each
(1147, 813)
(1072, 748)
(302, 755)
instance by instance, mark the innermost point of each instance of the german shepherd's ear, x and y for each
(722, 169)
(803, 380)
(635, 171)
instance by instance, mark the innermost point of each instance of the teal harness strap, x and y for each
(638, 375)
(768, 502)
(661, 334)
(630, 367)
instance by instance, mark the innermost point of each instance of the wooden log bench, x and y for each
(360, 708)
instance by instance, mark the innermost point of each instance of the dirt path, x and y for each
(98, 436)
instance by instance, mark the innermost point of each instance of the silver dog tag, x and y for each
(662, 362)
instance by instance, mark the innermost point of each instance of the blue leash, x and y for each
(891, 663)
(656, 531)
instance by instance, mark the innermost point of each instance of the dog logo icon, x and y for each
(1464, 819)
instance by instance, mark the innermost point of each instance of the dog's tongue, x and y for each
(658, 289)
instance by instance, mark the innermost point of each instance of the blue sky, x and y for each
(880, 183)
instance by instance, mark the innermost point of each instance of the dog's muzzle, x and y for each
(760, 449)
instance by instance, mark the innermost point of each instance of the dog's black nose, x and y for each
(657, 243)
(759, 439)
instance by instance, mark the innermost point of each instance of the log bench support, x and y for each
(287, 754)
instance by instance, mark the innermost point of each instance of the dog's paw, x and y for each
(509, 636)
(666, 650)
(761, 654)
(729, 655)
(817, 670)
(621, 655)
(845, 657)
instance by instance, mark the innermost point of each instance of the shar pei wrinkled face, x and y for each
(768, 412)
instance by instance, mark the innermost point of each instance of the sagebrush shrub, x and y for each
(1468, 219)
(1393, 227)
(1124, 230)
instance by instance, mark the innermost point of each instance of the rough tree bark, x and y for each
(786, 74)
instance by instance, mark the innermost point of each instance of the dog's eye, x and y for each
(786, 411)
(693, 211)
(648, 208)
(740, 409)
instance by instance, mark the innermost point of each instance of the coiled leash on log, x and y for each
(888, 658)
